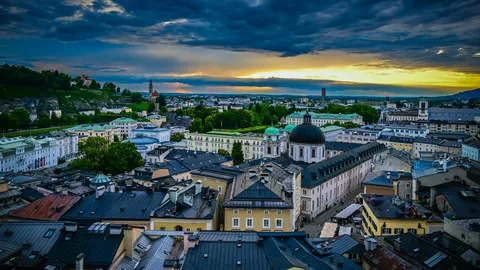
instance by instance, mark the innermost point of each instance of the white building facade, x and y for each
(27, 154)
(320, 119)
(161, 134)
(126, 125)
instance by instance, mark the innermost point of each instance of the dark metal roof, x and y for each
(50, 208)
(99, 248)
(226, 255)
(325, 170)
(213, 236)
(383, 258)
(381, 178)
(9, 250)
(424, 192)
(384, 207)
(31, 232)
(133, 205)
(307, 133)
(258, 195)
(341, 146)
(203, 205)
(464, 207)
(30, 194)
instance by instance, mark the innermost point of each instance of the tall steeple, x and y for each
(150, 88)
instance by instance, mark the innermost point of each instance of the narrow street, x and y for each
(313, 229)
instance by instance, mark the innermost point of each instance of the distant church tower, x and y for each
(423, 109)
(150, 89)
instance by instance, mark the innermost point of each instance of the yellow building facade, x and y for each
(373, 225)
(258, 220)
(177, 224)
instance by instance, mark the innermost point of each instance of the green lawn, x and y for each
(33, 132)
(138, 107)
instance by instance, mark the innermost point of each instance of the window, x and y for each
(279, 212)
(49, 233)
(219, 190)
(235, 211)
(266, 212)
(313, 153)
(304, 192)
(398, 230)
(249, 211)
(162, 228)
(235, 222)
(408, 185)
(249, 222)
(188, 229)
(301, 152)
(414, 231)
(386, 231)
(266, 223)
(279, 223)
(408, 196)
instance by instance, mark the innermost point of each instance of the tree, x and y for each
(54, 119)
(4, 122)
(161, 100)
(23, 117)
(196, 125)
(95, 85)
(223, 152)
(122, 157)
(177, 137)
(94, 151)
(164, 109)
(43, 120)
(237, 153)
(151, 107)
(116, 139)
(137, 97)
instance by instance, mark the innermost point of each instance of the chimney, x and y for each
(388, 175)
(99, 192)
(115, 229)
(370, 243)
(71, 226)
(432, 197)
(260, 241)
(251, 173)
(445, 163)
(111, 187)
(173, 193)
(189, 241)
(79, 262)
(198, 187)
(397, 245)
(269, 167)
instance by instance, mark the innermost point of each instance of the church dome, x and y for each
(307, 133)
(100, 180)
(289, 128)
(272, 131)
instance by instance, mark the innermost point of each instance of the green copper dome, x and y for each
(272, 131)
(289, 128)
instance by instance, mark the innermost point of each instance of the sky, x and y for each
(353, 48)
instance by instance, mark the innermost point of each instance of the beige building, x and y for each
(428, 146)
(157, 120)
(399, 116)
(86, 131)
(266, 200)
(471, 127)
(212, 141)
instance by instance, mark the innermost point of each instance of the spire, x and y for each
(307, 118)
(150, 87)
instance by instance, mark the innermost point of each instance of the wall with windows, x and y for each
(175, 224)
(258, 220)
(214, 183)
(374, 226)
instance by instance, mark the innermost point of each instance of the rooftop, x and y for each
(124, 120)
(49, 208)
(341, 146)
(142, 140)
(314, 115)
(318, 173)
(383, 179)
(465, 204)
(390, 207)
(93, 127)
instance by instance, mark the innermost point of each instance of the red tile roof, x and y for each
(50, 208)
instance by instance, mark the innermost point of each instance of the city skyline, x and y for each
(353, 48)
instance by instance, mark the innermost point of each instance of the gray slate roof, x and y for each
(32, 232)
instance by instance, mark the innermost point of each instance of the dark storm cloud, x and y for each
(91, 67)
(202, 84)
(407, 33)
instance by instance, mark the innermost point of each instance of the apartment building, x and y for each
(329, 181)
(67, 143)
(398, 143)
(20, 154)
(85, 131)
(253, 147)
(429, 146)
(469, 127)
(126, 125)
(161, 134)
(471, 150)
(320, 119)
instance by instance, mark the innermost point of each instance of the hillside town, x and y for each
(244, 182)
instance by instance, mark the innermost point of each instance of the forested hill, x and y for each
(19, 82)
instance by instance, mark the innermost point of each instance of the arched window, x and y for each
(269, 150)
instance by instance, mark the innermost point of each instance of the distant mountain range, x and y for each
(475, 93)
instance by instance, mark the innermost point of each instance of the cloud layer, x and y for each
(407, 35)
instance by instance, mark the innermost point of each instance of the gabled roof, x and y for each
(30, 194)
(203, 205)
(258, 195)
(464, 207)
(32, 232)
(50, 208)
(341, 146)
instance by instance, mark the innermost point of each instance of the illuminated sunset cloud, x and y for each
(272, 46)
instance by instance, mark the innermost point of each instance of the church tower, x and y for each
(150, 89)
(423, 109)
